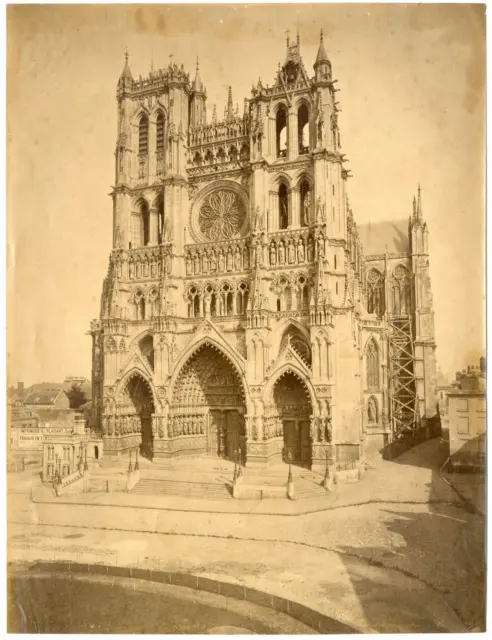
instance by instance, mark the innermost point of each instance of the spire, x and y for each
(214, 114)
(414, 208)
(197, 83)
(246, 104)
(126, 74)
(230, 107)
(419, 205)
(322, 55)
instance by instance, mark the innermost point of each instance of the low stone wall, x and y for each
(311, 618)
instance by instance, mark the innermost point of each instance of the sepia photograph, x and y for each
(246, 339)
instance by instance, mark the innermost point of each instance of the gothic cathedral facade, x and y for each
(244, 313)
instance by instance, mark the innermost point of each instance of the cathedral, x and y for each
(245, 314)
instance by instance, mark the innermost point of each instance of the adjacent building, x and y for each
(467, 417)
(244, 309)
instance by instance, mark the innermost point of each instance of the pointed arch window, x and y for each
(303, 129)
(281, 132)
(143, 135)
(159, 133)
(375, 292)
(160, 217)
(140, 225)
(401, 291)
(372, 365)
(283, 207)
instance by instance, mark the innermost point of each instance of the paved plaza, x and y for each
(398, 541)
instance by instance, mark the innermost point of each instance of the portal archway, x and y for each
(208, 391)
(293, 406)
(137, 400)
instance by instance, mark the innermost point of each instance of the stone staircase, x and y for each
(201, 490)
(272, 483)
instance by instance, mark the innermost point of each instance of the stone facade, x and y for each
(241, 315)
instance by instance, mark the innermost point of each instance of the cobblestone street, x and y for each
(415, 537)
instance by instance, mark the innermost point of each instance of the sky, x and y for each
(412, 100)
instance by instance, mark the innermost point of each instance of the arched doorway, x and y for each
(138, 402)
(294, 409)
(209, 386)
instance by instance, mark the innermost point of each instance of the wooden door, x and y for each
(305, 442)
(213, 433)
(291, 440)
(232, 430)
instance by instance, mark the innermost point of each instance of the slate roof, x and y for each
(376, 236)
(42, 396)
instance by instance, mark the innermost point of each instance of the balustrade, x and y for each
(219, 131)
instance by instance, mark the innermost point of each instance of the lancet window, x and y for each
(143, 135)
(281, 132)
(401, 291)
(140, 225)
(303, 129)
(375, 292)
(159, 133)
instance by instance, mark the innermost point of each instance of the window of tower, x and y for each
(281, 133)
(283, 207)
(305, 203)
(145, 237)
(159, 133)
(303, 129)
(143, 135)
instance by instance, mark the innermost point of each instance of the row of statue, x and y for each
(217, 260)
(186, 425)
(121, 425)
(296, 252)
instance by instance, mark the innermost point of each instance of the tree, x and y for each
(76, 396)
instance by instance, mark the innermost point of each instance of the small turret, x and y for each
(198, 100)
(126, 78)
(230, 108)
(322, 66)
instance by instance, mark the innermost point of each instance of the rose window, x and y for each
(221, 215)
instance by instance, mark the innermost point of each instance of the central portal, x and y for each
(294, 410)
(209, 384)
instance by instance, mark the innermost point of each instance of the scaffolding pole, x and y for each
(403, 404)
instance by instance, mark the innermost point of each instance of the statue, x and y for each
(213, 262)
(371, 412)
(273, 255)
(237, 260)
(131, 270)
(292, 253)
(205, 262)
(307, 210)
(321, 249)
(300, 251)
(196, 264)
(281, 253)
(229, 260)
(221, 262)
